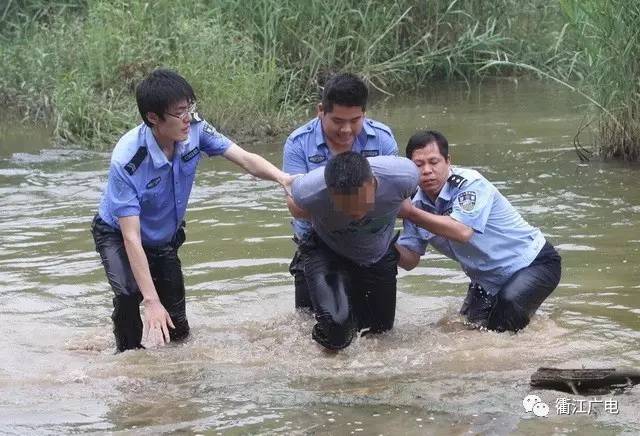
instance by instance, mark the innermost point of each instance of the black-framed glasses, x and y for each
(184, 115)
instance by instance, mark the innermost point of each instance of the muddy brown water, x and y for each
(250, 366)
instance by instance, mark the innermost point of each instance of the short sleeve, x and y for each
(297, 191)
(121, 194)
(472, 205)
(410, 177)
(212, 142)
(293, 159)
(388, 144)
(413, 238)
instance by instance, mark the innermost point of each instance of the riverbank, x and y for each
(257, 65)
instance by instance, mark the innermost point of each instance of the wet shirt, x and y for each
(306, 150)
(364, 241)
(502, 243)
(143, 182)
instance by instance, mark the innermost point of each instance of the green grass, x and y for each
(608, 59)
(255, 64)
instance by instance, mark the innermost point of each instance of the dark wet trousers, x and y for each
(166, 273)
(347, 297)
(296, 268)
(513, 306)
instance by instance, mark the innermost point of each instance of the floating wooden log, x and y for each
(585, 381)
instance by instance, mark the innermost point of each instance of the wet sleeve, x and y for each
(211, 141)
(121, 193)
(472, 205)
(293, 158)
(413, 238)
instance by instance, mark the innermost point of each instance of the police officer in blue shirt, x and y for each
(139, 226)
(340, 126)
(512, 268)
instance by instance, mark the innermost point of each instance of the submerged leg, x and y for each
(328, 285)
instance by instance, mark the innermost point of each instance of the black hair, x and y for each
(344, 89)
(159, 90)
(426, 137)
(347, 172)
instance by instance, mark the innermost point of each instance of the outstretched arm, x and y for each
(257, 166)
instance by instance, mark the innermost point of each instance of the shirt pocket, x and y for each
(156, 194)
(189, 162)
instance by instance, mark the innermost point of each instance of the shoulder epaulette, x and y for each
(195, 118)
(379, 125)
(456, 180)
(302, 130)
(136, 160)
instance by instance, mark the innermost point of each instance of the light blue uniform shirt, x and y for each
(306, 150)
(502, 243)
(364, 241)
(143, 182)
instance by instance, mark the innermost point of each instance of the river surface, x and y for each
(250, 365)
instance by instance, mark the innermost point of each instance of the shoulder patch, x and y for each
(370, 153)
(317, 158)
(456, 180)
(153, 182)
(195, 118)
(208, 129)
(136, 160)
(467, 201)
(191, 154)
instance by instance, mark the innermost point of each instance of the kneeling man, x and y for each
(349, 260)
(511, 266)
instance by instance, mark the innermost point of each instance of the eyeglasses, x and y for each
(184, 115)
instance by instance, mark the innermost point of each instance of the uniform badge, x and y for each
(208, 129)
(190, 155)
(370, 153)
(317, 158)
(153, 182)
(467, 201)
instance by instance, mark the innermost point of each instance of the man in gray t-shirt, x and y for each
(349, 260)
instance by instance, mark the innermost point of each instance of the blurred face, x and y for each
(175, 126)
(341, 126)
(356, 205)
(433, 168)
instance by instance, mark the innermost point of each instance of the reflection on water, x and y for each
(251, 366)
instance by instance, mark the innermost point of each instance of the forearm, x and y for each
(258, 166)
(408, 259)
(440, 225)
(297, 212)
(140, 268)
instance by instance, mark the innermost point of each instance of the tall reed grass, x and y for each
(254, 63)
(608, 58)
